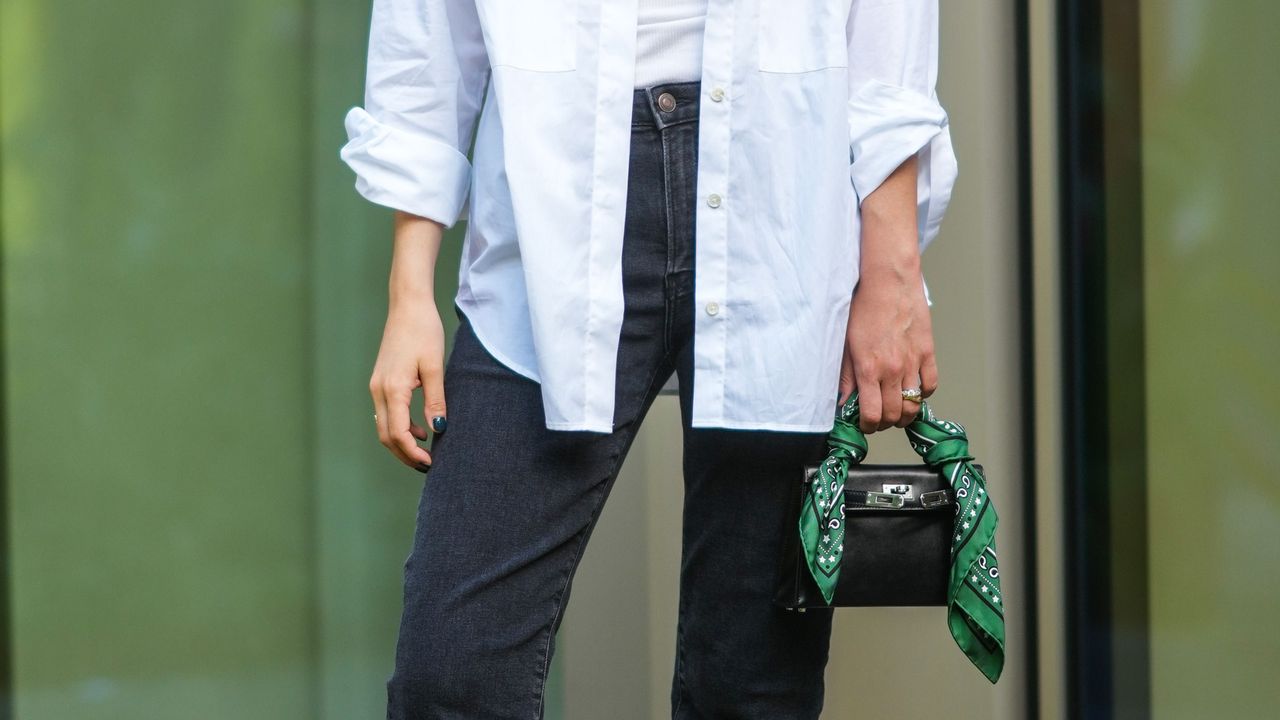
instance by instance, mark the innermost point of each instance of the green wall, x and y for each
(200, 520)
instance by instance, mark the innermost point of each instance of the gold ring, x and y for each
(912, 394)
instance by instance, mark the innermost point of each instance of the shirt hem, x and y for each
(581, 427)
(749, 425)
(501, 357)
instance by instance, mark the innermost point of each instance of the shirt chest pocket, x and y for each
(540, 35)
(802, 35)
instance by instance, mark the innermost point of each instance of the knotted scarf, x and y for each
(975, 604)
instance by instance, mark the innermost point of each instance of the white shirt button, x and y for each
(713, 307)
(713, 200)
(717, 94)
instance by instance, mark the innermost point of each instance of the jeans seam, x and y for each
(680, 688)
(582, 536)
(546, 645)
(669, 217)
(667, 321)
(668, 211)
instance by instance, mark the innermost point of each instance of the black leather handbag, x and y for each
(898, 524)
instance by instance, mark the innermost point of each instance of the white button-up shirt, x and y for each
(809, 105)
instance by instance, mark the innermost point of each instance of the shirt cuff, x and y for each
(406, 171)
(887, 124)
(933, 189)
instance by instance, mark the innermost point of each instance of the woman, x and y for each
(671, 186)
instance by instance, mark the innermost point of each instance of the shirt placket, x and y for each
(714, 207)
(615, 69)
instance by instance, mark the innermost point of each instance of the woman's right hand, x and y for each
(411, 355)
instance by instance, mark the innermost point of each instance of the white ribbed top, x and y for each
(669, 41)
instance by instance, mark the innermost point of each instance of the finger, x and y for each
(433, 406)
(381, 415)
(869, 405)
(418, 431)
(387, 437)
(910, 408)
(402, 442)
(891, 401)
(378, 388)
(379, 410)
(929, 375)
(410, 452)
(848, 384)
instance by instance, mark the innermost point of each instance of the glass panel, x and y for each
(1172, 334)
(1211, 166)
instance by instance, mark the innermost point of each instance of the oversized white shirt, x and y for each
(807, 106)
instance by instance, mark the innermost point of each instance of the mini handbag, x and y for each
(898, 535)
(898, 520)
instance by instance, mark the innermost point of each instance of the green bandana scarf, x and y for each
(975, 605)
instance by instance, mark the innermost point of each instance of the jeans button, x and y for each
(666, 102)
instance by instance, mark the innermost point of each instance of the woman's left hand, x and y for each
(888, 348)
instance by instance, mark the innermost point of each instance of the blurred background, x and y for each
(197, 518)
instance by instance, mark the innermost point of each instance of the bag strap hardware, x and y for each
(879, 499)
(898, 489)
(935, 498)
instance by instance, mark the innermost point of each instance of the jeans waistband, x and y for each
(665, 104)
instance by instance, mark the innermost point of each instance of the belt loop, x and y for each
(642, 114)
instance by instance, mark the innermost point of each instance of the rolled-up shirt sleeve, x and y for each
(894, 111)
(424, 85)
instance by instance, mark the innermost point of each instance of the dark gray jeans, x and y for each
(508, 505)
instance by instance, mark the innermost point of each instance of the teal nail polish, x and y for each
(439, 423)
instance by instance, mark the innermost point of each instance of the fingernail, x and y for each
(439, 423)
(423, 467)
